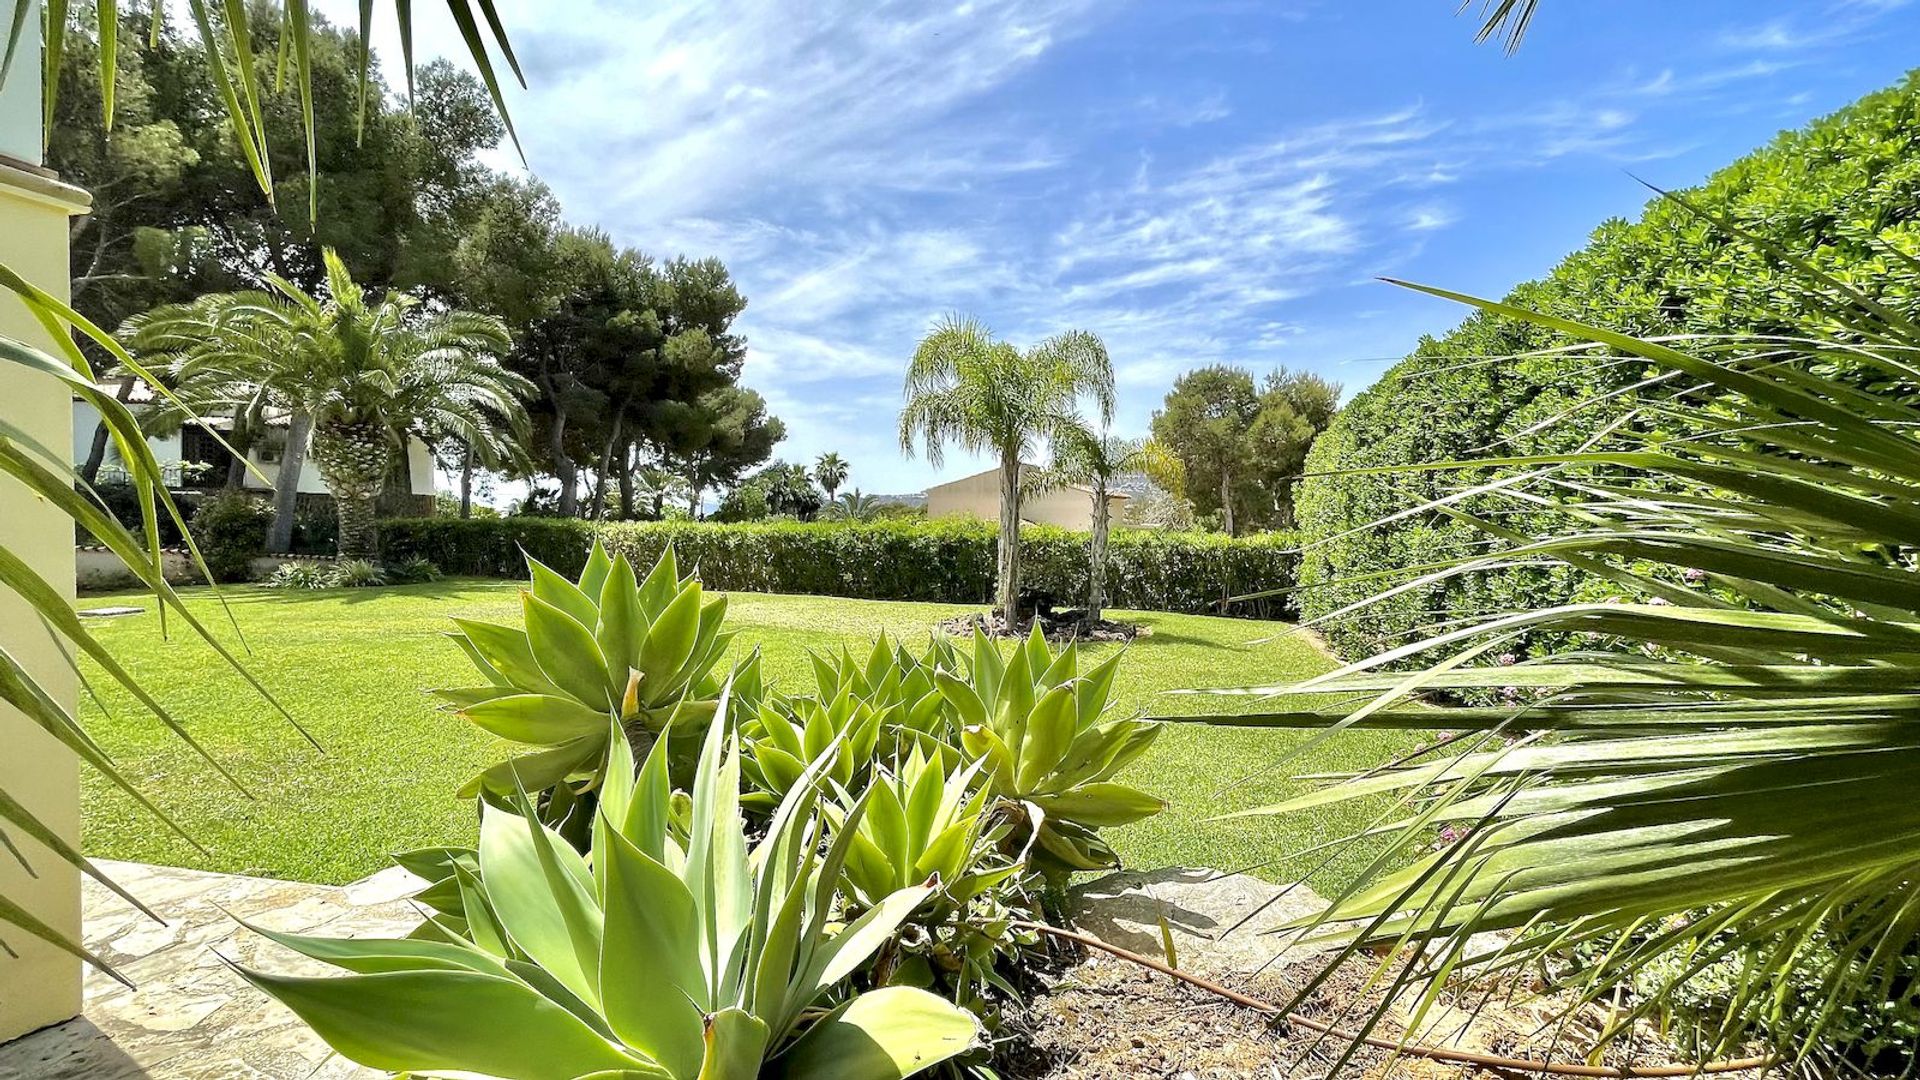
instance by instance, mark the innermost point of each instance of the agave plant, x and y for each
(1721, 784)
(1048, 747)
(923, 824)
(662, 953)
(605, 645)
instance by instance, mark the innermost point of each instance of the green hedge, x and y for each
(1837, 194)
(943, 561)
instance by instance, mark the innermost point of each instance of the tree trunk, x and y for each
(286, 483)
(466, 483)
(1009, 561)
(97, 450)
(353, 460)
(239, 438)
(563, 469)
(1097, 554)
(606, 465)
(1226, 499)
(626, 482)
(693, 493)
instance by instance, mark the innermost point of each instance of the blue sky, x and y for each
(1195, 182)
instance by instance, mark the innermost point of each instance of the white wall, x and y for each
(420, 472)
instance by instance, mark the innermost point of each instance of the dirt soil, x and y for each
(1107, 1018)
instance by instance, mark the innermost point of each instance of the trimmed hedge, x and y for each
(939, 561)
(1838, 193)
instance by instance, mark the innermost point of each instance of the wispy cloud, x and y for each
(864, 169)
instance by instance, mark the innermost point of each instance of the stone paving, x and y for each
(191, 1016)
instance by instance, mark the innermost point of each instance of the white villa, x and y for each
(195, 459)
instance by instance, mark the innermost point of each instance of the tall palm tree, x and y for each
(361, 376)
(1096, 460)
(990, 397)
(830, 469)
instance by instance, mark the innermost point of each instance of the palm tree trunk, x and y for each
(1097, 566)
(1226, 498)
(286, 483)
(1009, 552)
(466, 483)
(353, 459)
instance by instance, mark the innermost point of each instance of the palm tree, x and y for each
(360, 376)
(831, 471)
(989, 397)
(855, 505)
(1080, 456)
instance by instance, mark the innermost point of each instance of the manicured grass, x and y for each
(353, 665)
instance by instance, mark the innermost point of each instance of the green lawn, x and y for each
(353, 665)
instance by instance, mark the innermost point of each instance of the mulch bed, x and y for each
(1109, 1018)
(1057, 626)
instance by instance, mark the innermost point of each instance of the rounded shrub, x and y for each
(231, 531)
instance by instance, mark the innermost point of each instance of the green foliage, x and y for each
(966, 388)
(1039, 725)
(173, 215)
(830, 470)
(745, 502)
(300, 576)
(605, 644)
(1841, 193)
(356, 574)
(673, 949)
(231, 529)
(1714, 775)
(412, 570)
(949, 561)
(363, 373)
(1239, 446)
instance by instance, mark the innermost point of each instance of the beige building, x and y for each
(39, 984)
(978, 496)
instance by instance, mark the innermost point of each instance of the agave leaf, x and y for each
(884, 1034)
(540, 719)
(622, 627)
(368, 956)
(651, 982)
(506, 651)
(442, 1021)
(555, 589)
(566, 652)
(1050, 730)
(736, 1044)
(544, 894)
(1101, 804)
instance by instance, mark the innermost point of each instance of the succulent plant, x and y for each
(671, 950)
(1049, 748)
(608, 645)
